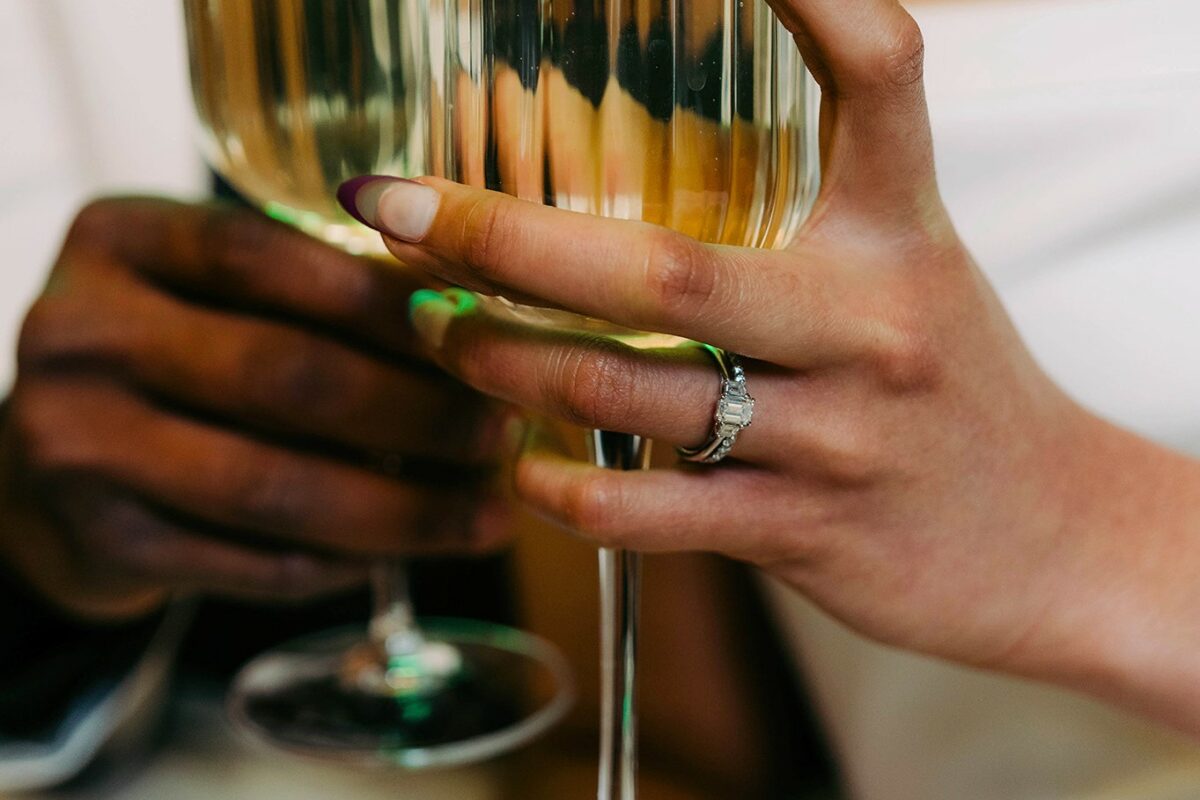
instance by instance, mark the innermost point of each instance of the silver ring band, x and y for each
(735, 411)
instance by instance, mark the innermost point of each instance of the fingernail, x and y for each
(350, 191)
(464, 300)
(431, 313)
(398, 207)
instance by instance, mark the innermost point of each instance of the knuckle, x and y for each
(60, 329)
(852, 458)
(908, 361)
(294, 375)
(592, 507)
(592, 384)
(35, 343)
(274, 493)
(900, 60)
(95, 222)
(352, 289)
(30, 431)
(46, 447)
(679, 275)
(487, 234)
(232, 241)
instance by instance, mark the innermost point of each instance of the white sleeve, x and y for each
(96, 101)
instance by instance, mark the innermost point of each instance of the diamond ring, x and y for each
(735, 411)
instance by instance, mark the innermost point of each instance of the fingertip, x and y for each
(431, 313)
(465, 301)
(541, 474)
(422, 297)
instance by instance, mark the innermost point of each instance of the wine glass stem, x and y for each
(393, 624)
(620, 576)
(620, 585)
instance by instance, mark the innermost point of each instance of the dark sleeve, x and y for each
(49, 661)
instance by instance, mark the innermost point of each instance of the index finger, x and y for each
(240, 258)
(757, 302)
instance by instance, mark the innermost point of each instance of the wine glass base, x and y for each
(510, 687)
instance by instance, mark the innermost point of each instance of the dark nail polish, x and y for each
(348, 191)
(348, 194)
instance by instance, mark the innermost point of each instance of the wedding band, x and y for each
(735, 411)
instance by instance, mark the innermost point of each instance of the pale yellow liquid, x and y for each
(688, 113)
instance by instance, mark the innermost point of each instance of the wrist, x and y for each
(1122, 623)
(1151, 652)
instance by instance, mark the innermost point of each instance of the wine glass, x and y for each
(695, 115)
(294, 97)
(698, 115)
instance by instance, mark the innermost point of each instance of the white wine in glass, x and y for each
(693, 114)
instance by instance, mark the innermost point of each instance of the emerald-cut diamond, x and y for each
(735, 410)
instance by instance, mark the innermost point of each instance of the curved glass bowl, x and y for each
(512, 687)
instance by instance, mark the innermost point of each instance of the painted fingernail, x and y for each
(398, 207)
(349, 193)
(464, 299)
(431, 313)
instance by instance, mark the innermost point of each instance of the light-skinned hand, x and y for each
(910, 468)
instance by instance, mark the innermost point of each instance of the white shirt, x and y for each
(94, 98)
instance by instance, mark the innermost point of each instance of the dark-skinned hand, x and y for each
(210, 401)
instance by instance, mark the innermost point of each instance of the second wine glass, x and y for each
(294, 97)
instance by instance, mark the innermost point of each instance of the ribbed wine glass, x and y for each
(695, 115)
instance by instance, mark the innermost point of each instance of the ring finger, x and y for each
(668, 394)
